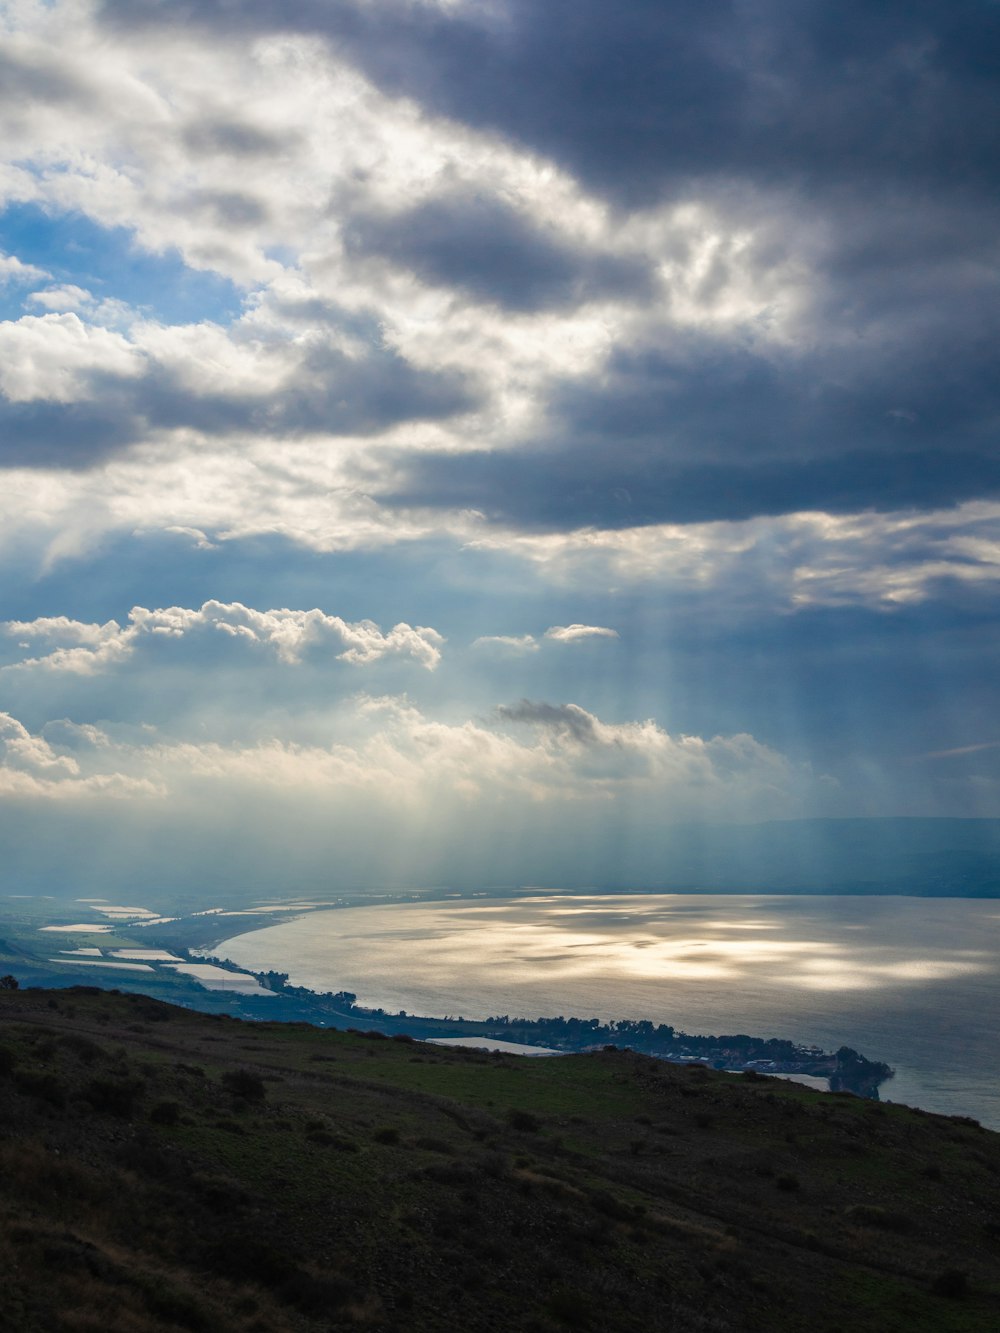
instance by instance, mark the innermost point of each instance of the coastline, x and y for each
(920, 1083)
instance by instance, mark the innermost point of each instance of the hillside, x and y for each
(164, 1169)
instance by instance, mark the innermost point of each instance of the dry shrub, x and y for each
(219, 1192)
(244, 1084)
(679, 1226)
(551, 1184)
(44, 1086)
(884, 1218)
(82, 1047)
(31, 1172)
(523, 1121)
(952, 1282)
(569, 1307)
(165, 1113)
(114, 1096)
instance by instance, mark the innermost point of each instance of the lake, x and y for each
(912, 981)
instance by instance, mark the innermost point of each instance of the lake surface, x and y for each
(912, 981)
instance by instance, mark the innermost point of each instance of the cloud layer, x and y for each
(543, 762)
(462, 227)
(87, 648)
(633, 362)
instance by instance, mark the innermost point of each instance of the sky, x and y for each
(455, 441)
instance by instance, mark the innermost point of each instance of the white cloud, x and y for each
(556, 755)
(66, 297)
(197, 538)
(507, 643)
(32, 768)
(788, 562)
(12, 270)
(54, 357)
(576, 633)
(86, 649)
(22, 752)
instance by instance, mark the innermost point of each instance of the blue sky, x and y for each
(448, 441)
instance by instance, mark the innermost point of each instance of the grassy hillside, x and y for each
(165, 1169)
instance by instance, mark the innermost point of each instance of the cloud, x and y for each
(67, 297)
(484, 247)
(565, 721)
(401, 758)
(508, 643)
(25, 753)
(732, 241)
(710, 432)
(31, 768)
(674, 319)
(792, 562)
(576, 633)
(87, 649)
(640, 101)
(12, 270)
(57, 358)
(60, 371)
(643, 753)
(398, 796)
(960, 750)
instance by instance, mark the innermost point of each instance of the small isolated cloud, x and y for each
(566, 721)
(86, 649)
(200, 540)
(66, 297)
(507, 643)
(959, 750)
(575, 633)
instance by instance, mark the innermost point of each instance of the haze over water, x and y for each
(914, 982)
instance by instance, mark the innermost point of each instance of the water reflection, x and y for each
(592, 938)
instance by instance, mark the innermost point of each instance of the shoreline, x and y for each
(207, 930)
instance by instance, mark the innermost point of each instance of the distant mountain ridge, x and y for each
(925, 857)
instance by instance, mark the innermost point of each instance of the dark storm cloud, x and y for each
(564, 491)
(727, 434)
(330, 393)
(490, 251)
(864, 140)
(632, 98)
(891, 400)
(60, 435)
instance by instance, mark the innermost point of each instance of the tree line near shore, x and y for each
(845, 1068)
